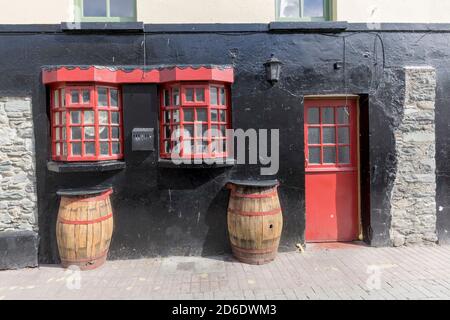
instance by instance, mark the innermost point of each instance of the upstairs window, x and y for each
(194, 120)
(304, 10)
(105, 10)
(86, 123)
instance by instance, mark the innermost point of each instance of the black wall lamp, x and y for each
(273, 70)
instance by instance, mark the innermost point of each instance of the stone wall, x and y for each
(18, 200)
(413, 196)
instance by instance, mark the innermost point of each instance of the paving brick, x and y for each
(337, 273)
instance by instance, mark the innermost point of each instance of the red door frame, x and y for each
(314, 171)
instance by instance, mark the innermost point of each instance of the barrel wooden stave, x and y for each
(255, 223)
(84, 230)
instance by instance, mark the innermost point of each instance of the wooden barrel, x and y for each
(84, 229)
(255, 223)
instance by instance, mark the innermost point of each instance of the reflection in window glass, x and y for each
(290, 8)
(102, 97)
(213, 93)
(114, 117)
(327, 115)
(89, 148)
(344, 155)
(214, 116)
(115, 147)
(314, 155)
(176, 116)
(166, 98)
(56, 118)
(190, 95)
(56, 98)
(223, 97)
(314, 135)
(76, 133)
(103, 117)
(344, 135)
(115, 133)
(94, 8)
(343, 115)
(104, 148)
(329, 135)
(89, 133)
(223, 116)
(200, 94)
(313, 116)
(114, 96)
(75, 117)
(189, 115)
(104, 133)
(329, 155)
(63, 97)
(167, 132)
(89, 117)
(76, 149)
(176, 96)
(202, 115)
(313, 8)
(75, 97)
(86, 96)
(122, 8)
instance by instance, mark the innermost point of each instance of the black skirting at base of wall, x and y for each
(18, 249)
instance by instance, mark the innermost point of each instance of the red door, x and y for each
(331, 170)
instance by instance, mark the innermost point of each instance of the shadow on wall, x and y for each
(216, 240)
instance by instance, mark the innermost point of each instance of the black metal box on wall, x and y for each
(143, 139)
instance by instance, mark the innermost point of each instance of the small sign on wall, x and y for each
(143, 139)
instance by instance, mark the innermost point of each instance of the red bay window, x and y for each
(86, 123)
(193, 120)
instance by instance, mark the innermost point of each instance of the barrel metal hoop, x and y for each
(252, 214)
(271, 194)
(85, 222)
(266, 250)
(102, 255)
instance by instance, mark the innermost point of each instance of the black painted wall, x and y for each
(164, 211)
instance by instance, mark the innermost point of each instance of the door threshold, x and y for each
(335, 245)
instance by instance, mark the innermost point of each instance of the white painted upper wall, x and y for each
(206, 11)
(36, 11)
(230, 11)
(402, 11)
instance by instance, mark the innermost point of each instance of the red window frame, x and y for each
(335, 105)
(173, 119)
(73, 115)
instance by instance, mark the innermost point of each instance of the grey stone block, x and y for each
(18, 249)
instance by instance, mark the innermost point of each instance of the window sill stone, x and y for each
(70, 167)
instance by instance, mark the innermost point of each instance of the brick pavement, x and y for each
(334, 271)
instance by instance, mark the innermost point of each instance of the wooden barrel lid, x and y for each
(83, 191)
(255, 183)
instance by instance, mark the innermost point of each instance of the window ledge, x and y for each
(70, 167)
(302, 26)
(102, 26)
(166, 163)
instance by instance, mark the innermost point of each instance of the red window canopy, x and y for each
(137, 74)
